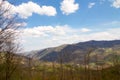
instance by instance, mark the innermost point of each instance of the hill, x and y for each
(101, 51)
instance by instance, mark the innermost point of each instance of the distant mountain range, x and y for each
(77, 53)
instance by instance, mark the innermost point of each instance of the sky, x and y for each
(50, 23)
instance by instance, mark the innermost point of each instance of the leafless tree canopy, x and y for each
(8, 28)
(8, 36)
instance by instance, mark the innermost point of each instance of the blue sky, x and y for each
(50, 23)
(99, 13)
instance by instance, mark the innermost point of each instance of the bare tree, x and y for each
(8, 35)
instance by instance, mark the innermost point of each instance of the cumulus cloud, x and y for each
(116, 3)
(46, 31)
(85, 30)
(26, 10)
(22, 24)
(42, 31)
(90, 5)
(69, 6)
(50, 36)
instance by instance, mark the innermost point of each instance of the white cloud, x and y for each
(90, 5)
(49, 36)
(21, 24)
(116, 3)
(69, 6)
(43, 31)
(46, 30)
(26, 10)
(85, 30)
(114, 23)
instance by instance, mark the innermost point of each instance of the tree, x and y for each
(8, 36)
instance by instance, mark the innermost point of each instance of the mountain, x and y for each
(95, 50)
